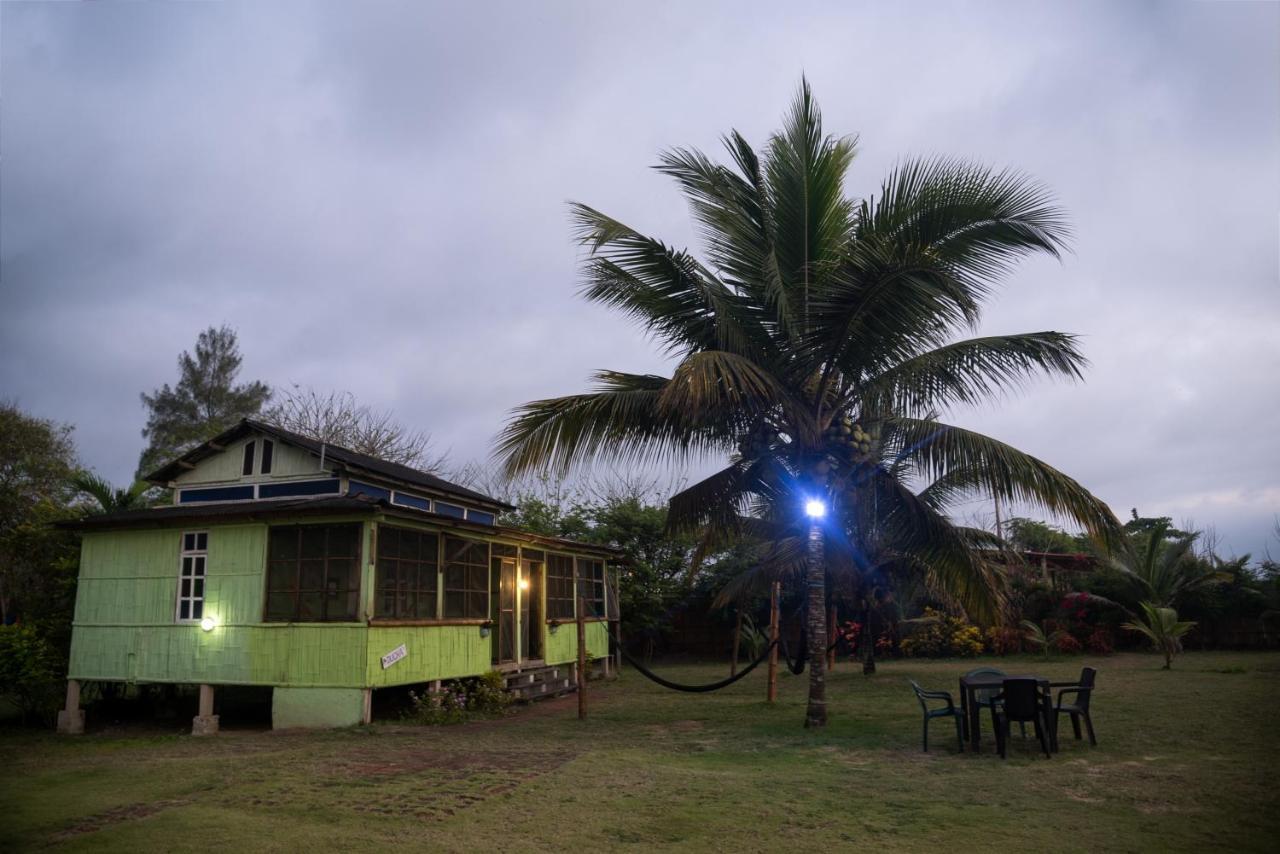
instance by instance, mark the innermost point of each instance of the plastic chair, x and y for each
(1083, 691)
(984, 696)
(929, 714)
(1020, 701)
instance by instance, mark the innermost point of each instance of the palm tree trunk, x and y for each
(816, 714)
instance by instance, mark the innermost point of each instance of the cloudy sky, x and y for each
(374, 195)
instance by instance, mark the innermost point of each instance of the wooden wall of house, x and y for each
(226, 466)
(125, 628)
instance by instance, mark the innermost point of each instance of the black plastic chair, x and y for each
(1020, 701)
(1083, 691)
(929, 714)
(984, 696)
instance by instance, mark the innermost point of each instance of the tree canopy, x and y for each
(817, 340)
(205, 401)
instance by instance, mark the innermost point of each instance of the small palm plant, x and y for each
(110, 498)
(1162, 626)
(1037, 637)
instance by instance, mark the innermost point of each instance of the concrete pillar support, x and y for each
(205, 723)
(366, 714)
(71, 719)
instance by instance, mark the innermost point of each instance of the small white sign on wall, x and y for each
(394, 656)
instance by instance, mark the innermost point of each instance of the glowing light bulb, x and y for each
(208, 623)
(524, 584)
(815, 509)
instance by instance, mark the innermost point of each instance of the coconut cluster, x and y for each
(756, 442)
(849, 435)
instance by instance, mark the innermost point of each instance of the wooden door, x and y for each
(530, 610)
(504, 585)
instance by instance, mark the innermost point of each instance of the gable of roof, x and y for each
(351, 460)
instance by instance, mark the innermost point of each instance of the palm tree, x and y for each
(109, 498)
(1163, 572)
(1162, 627)
(816, 345)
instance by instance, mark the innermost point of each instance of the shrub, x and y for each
(1067, 645)
(1100, 642)
(31, 671)
(475, 696)
(1004, 640)
(942, 635)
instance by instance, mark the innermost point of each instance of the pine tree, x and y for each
(205, 401)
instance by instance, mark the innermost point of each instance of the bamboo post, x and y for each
(831, 639)
(582, 658)
(773, 639)
(737, 641)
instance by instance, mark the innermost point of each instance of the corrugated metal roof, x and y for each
(264, 510)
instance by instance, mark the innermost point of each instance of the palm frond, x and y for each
(672, 295)
(972, 371)
(622, 421)
(999, 469)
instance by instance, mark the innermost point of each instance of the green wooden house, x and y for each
(325, 574)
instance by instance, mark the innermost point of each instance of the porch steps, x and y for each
(538, 683)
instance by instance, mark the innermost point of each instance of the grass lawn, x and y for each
(1186, 761)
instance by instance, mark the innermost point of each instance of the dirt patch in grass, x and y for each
(93, 823)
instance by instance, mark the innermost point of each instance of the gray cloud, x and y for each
(374, 197)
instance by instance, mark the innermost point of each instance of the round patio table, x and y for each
(971, 685)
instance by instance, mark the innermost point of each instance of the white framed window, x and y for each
(191, 577)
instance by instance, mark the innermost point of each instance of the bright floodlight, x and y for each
(208, 623)
(815, 509)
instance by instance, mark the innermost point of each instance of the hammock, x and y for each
(692, 689)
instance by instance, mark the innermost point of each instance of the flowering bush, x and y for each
(1100, 642)
(463, 698)
(943, 635)
(1004, 640)
(1067, 645)
(851, 631)
(885, 644)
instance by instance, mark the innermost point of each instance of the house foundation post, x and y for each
(71, 719)
(206, 722)
(366, 714)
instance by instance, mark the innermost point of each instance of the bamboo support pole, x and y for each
(773, 639)
(831, 639)
(737, 642)
(582, 658)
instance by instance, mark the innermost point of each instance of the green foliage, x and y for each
(32, 671)
(1162, 627)
(37, 562)
(940, 635)
(1033, 536)
(108, 498)
(460, 700)
(1038, 638)
(205, 401)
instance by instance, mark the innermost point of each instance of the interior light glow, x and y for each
(815, 509)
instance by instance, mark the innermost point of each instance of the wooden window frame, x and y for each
(297, 560)
(378, 575)
(554, 611)
(467, 590)
(266, 457)
(193, 567)
(248, 458)
(592, 588)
